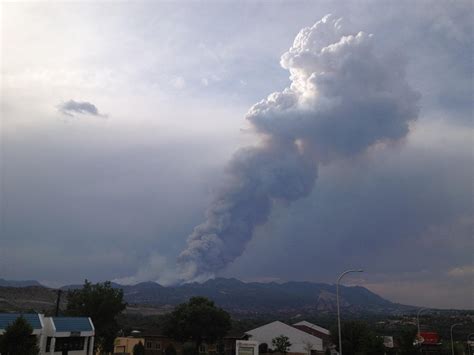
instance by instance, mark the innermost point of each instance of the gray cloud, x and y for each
(343, 98)
(72, 107)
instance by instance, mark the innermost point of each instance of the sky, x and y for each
(120, 123)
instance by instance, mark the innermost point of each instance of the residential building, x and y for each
(163, 345)
(156, 344)
(302, 342)
(74, 335)
(57, 335)
(125, 345)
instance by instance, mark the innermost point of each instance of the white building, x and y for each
(57, 335)
(300, 340)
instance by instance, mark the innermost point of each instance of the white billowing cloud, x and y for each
(343, 98)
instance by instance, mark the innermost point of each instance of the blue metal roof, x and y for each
(72, 324)
(8, 318)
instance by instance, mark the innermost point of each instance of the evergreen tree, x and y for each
(139, 349)
(18, 339)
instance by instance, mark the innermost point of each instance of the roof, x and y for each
(32, 318)
(314, 326)
(72, 324)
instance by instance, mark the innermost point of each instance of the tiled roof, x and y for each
(72, 324)
(8, 318)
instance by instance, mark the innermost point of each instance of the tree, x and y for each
(357, 339)
(139, 349)
(281, 344)
(405, 339)
(198, 321)
(103, 304)
(18, 339)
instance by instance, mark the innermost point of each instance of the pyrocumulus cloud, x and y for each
(343, 99)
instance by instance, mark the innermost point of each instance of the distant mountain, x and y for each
(239, 298)
(14, 283)
(29, 299)
(264, 298)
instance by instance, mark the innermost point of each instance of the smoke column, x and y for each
(343, 99)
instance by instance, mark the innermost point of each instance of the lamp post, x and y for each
(469, 345)
(338, 309)
(418, 318)
(452, 341)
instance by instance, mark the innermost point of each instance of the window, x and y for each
(68, 343)
(148, 344)
(158, 346)
(202, 348)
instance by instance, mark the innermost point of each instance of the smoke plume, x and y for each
(343, 98)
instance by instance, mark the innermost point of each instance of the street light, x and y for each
(418, 318)
(338, 310)
(452, 342)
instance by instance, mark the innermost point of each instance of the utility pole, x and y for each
(58, 299)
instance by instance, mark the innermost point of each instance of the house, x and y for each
(162, 345)
(156, 344)
(57, 335)
(125, 345)
(302, 342)
(72, 334)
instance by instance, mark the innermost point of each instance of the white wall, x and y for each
(298, 338)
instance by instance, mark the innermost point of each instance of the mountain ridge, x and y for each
(242, 297)
(255, 298)
(19, 283)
